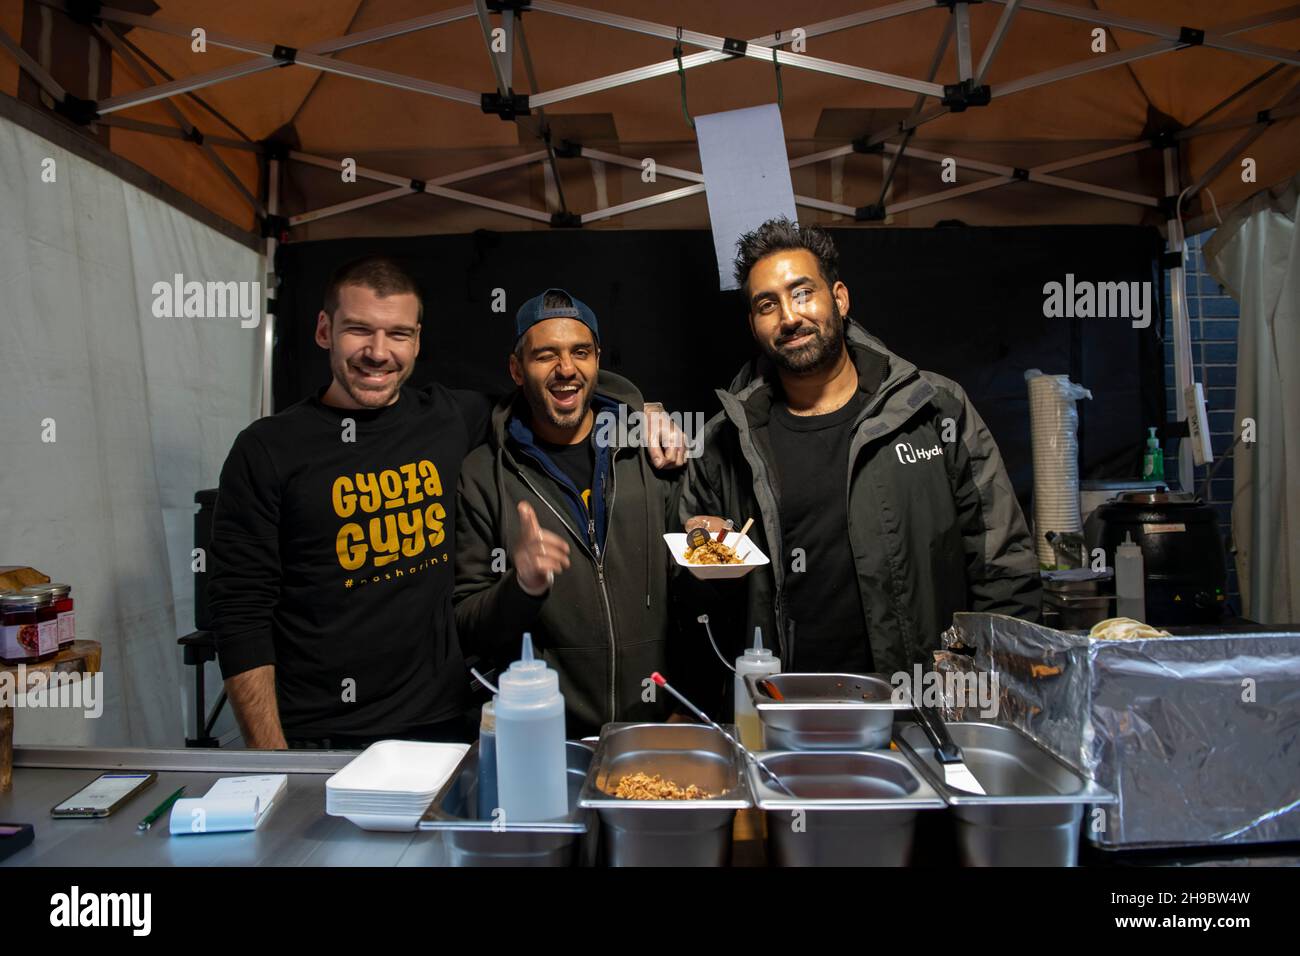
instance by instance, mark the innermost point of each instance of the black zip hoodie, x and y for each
(604, 624)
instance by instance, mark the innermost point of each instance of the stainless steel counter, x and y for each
(295, 833)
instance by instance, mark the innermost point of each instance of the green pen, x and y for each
(159, 810)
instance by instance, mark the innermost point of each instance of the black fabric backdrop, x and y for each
(966, 302)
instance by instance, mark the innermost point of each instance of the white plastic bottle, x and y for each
(531, 776)
(762, 662)
(1130, 580)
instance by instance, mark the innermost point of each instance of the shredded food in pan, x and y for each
(712, 552)
(642, 786)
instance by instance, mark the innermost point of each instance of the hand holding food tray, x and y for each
(711, 559)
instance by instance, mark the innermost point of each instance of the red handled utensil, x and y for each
(659, 679)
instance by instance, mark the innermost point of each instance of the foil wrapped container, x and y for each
(1198, 734)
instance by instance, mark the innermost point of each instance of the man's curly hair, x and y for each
(781, 235)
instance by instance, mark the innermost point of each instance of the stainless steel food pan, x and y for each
(826, 711)
(849, 808)
(471, 841)
(666, 832)
(1032, 811)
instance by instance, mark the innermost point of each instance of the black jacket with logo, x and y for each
(934, 524)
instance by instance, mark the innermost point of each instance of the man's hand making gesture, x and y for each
(539, 554)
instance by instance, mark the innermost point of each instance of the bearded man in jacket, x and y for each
(583, 518)
(877, 490)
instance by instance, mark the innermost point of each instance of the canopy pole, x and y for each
(935, 62)
(37, 72)
(543, 123)
(404, 187)
(1263, 121)
(171, 132)
(268, 56)
(729, 47)
(1274, 114)
(995, 41)
(270, 289)
(1213, 38)
(644, 203)
(214, 38)
(1083, 67)
(350, 205)
(485, 26)
(675, 172)
(961, 16)
(191, 131)
(1182, 329)
(666, 67)
(434, 187)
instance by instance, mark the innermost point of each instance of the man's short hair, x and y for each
(782, 235)
(557, 299)
(380, 274)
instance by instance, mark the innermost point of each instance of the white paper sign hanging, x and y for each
(746, 176)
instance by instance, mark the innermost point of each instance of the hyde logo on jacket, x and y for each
(909, 454)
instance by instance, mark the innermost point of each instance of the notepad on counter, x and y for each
(232, 804)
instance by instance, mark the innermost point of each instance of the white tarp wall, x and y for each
(1256, 255)
(143, 411)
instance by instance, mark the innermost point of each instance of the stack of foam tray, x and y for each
(392, 783)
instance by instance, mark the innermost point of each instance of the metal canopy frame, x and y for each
(967, 92)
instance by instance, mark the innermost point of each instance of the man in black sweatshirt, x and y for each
(334, 537)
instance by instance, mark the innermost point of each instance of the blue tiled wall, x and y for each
(1212, 315)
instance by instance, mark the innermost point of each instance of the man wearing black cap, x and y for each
(596, 604)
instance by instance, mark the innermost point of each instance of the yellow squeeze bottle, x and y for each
(756, 660)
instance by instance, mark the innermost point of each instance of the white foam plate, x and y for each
(387, 796)
(754, 558)
(383, 821)
(398, 768)
(403, 813)
(404, 806)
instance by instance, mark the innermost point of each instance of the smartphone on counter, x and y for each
(105, 794)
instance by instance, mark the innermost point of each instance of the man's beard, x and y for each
(536, 396)
(822, 352)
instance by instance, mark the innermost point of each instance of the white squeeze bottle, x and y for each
(756, 660)
(531, 776)
(1130, 580)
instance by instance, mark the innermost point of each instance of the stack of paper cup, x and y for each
(1054, 434)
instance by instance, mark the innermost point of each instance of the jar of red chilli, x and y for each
(29, 627)
(61, 596)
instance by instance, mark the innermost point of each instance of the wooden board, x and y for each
(81, 657)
